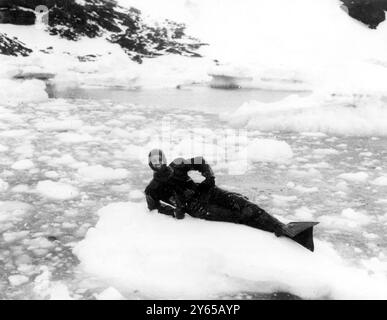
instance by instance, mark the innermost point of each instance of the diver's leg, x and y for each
(253, 216)
(240, 210)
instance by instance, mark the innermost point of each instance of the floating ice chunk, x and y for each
(136, 195)
(59, 291)
(381, 181)
(17, 280)
(69, 225)
(133, 249)
(291, 184)
(344, 115)
(70, 137)
(20, 188)
(370, 236)
(342, 186)
(13, 210)
(101, 173)
(366, 154)
(26, 150)
(25, 164)
(375, 264)
(354, 176)
(14, 133)
(320, 165)
(281, 201)
(14, 236)
(51, 174)
(38, 243)
(60, 125)
(313, 134)
(268, 150)
(4, 185)
(44, 288)
(303, 189)
(134, 117)
(56, 190)
(24, 260)
(3, 148)
(325, 152)
(110, 294)
(312, 172)
(348, 219)
(304, 213)
(121, 188)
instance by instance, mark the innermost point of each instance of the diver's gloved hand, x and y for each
(179, 213)
(169, 211)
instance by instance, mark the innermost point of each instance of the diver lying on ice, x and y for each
(174, 193)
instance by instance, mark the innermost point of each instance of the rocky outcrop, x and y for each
(16, 16)
(12, 46)
(73, 20)
(369, 12)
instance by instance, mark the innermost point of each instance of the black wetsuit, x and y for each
(204, 200)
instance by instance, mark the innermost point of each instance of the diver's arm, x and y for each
(199, 164)
(196, 164)
(154, 203)
(204, 168)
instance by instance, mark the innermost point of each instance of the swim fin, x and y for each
(301, 232)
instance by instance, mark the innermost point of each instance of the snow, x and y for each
(132, 249)
(112, 67)
(285, 56)
(56, 190)
(271, 42)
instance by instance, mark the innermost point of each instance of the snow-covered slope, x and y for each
(93, 43)
(280, 44)
(73, 20)
(304, 44)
